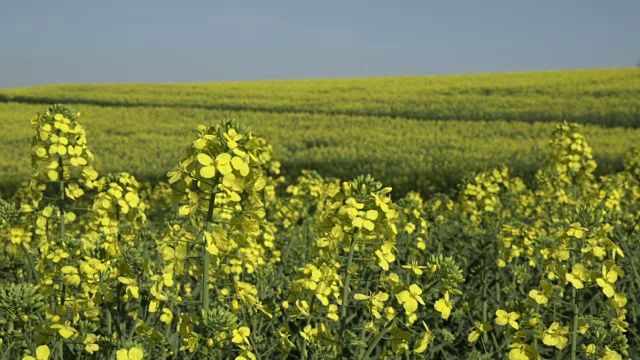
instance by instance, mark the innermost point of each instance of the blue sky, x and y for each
(46, 42)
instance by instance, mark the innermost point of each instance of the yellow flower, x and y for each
(554, 336)
(132, 286)
(542, 297)
(283, 332)
(521, 351)
(579, 273)
(135, 353)
(241, 335)
(309, 333)
(414, 267)
(375, 303)
(371, 327)
(247, 292)
(610, 354)
(66, 330)
(90, 343)
(479, 329)
(367, 221)
(42, 353)
(70, 275)
(191, 343)
(241, 165)
(208, 169)
(504, 318)
(424, 340)
(18, 235)
(618, 300)
(576, 231)
(224, 163)
(410, 298)
(232, 138)
(246, 355)
(411, 319)
(58, 255)
(333, 312)
(389, 313)
(58, 145)
(593, 245)
(583, 326)
(92, 266)
(589, 349)
(610, 273)
(384, 255)
(303, 307)
(167, 316)
(619, 321)
(351, 208)
(444, 306)
(399, 340)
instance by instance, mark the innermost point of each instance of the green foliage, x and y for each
(604, 97)
(415, 155)
(461, 123)
(241, 266)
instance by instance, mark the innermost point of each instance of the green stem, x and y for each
(306, 241)
(485, 309)
(304, 342)
(574, 328)
(29, 344)
(535, 339)
(61, 200)
(32, 268)
(345, 286)
(112, 316)
(555, 316)
(625, 247)
(59, 350)
(376, 340)
(61, 207)
(506, 341)
(207, 257)
(633, 333)
(495, 340)
(64, 294)
(255, 351)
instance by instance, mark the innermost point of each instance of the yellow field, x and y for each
(411, 132)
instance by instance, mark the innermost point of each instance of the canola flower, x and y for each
(322, 269)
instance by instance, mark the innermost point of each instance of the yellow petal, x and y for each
(204, 159)
(136, 353)
(208, 172)
(43, 352)
(122, 354)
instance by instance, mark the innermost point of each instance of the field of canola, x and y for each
(224, 260)
(421, 134)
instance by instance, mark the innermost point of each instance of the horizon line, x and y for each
(323, 78)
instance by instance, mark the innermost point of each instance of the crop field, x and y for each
(416, 133)
(500, 219)
(602, 97)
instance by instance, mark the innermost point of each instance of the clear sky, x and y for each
(45, 42)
